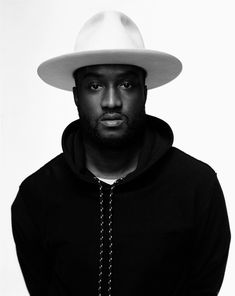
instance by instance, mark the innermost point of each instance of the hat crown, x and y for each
(110, 37)
(109, 30)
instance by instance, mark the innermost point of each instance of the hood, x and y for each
(157, 140)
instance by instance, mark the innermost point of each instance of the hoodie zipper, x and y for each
(101, 237)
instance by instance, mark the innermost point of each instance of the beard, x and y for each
(131, 134)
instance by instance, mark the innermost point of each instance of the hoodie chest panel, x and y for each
(152, 231)
(153, 239)
(72, 235)
(146, 219)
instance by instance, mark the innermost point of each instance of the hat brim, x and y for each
(161, 67)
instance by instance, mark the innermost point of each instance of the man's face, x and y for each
(111, 103)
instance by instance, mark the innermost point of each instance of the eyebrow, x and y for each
(92, 74)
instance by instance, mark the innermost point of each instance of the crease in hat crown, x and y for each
(109, 30)
(110, 37)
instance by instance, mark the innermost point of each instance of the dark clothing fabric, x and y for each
(170, 226)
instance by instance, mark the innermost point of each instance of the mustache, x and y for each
(113, 116)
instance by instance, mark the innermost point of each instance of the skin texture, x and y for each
(103, 91)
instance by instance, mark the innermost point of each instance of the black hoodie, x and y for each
(167, 222)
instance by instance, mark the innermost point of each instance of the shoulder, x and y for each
(52, 171)
(190, 167)
(39, 189)
(194, 177)
(190, 161)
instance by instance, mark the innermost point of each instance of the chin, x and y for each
(116, 140)
(122, 137)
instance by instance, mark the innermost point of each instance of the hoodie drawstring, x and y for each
(110, 247)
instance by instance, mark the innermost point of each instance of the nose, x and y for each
(111, 99)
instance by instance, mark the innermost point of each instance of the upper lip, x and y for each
(113, 116)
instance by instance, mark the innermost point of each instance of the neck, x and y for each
(111, 163)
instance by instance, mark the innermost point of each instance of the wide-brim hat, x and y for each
(110, 37)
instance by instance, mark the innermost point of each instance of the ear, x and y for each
(75, 95)
(145, 92)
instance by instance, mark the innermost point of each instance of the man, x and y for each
(121, 211)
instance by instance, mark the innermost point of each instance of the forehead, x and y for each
(109, 71)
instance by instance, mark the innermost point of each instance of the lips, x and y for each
(112, 119)
(112, 116)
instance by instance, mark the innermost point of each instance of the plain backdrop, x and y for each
(198, 105)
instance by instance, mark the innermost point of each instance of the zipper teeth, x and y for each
(110, 230)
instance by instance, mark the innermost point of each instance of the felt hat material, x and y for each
(110, 37)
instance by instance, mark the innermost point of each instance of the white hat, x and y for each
(110, 37)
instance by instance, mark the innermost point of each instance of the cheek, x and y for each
(134, 105)
(87, 105)
(89, 112)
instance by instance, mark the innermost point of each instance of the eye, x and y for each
(94, 86)
(126, 85)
